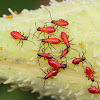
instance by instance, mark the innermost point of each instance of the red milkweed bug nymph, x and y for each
(65, 39)
(19, 36)
(80, 59)
(94, 90)
(60, 22)
(50, 41)
(45, 29)
(89, 73)
(50, 74)
(56, 64)
(44, 55)
(64, 52)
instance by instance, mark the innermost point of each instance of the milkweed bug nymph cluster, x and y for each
(64, 40)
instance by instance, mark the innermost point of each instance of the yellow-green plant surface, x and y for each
(19, 65)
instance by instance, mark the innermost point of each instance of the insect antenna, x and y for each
(35, 31)
(28, 36)
(49, 12)
(44, 84)
(88, 62)
(44, 80)
(43, 70)
(83, 53)
(31, 41)
(73, 48)
(29, 33)
(70, 68)
(40, 47)
(38, 57)
(71, 40)
(40, 77)
(86, 59)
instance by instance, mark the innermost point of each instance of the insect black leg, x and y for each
(29, 32)
(49, 46)
(57, 28)
(43, 70)
(22, 44)
(65, 27)
(52, 46)
(51, 77)
(44, 49)
(18, 42)
(44, 83)
(71, 58)
(40, 47)
(82, 66)
(71, 40)
(73, 49)
(34, 34)
(38, 59)
(47, 71)
(44, 35)
(39, 34)
(89, 63)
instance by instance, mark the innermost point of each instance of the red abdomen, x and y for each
(53, 72)
(46, 55)
(64, 52)
(94, 90)
(89, 73)
(55, 64)
(51, 40)
(64, 37)
(77, 60)
(61, 23)
(17, 35)
(48, 29)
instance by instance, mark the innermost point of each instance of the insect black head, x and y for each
(38, 29)
(25, 37)
(53, 21)
(68, 46)
(61, 57)
(39, 54)
(92, 79)
(43, 40)
(64, 66)
(45, 77)
(83, 58)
